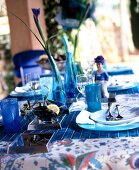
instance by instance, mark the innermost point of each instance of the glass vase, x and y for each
(69, 78)
(58, 92)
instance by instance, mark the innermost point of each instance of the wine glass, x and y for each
(32, 80)
(81, 81)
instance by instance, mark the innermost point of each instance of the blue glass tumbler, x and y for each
(93, 97)
(10, 115)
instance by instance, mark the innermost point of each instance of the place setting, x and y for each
(31, 87)
(121, 82)
(115, 114)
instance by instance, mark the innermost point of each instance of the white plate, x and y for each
(115, 86)
(129, 115)
(122, 87)
(101, 127)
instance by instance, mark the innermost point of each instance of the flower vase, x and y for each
(70, 71)
(58, 92)
(69, 78)
(79, 69)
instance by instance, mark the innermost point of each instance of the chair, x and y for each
(25, 62)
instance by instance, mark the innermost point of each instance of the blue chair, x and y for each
(25, 62)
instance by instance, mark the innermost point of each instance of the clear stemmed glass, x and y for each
(81, 81)
(32, 80)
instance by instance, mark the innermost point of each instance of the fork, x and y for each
(118, 116)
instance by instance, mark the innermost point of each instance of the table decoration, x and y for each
(48, 114)
(69, 76)
(58, 89)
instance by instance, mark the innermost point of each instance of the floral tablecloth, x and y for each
(75, 154)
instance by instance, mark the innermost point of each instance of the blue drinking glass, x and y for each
(93, 97)
(10, 115)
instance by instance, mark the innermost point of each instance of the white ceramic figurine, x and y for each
(101, 75)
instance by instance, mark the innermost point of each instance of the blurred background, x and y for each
(110, 29)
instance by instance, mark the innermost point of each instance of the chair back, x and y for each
(25, 62)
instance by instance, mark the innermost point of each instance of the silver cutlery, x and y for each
(118, 117)
(109, 117)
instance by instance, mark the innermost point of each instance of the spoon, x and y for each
(109, 116)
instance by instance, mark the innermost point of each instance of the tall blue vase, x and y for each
(70, 71)
(79, 69)
(58, 92)
(69, 78)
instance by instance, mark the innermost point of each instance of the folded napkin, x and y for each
(77, 106)
(83, 118)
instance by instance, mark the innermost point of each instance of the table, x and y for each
(106, 154)
(73, 144)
